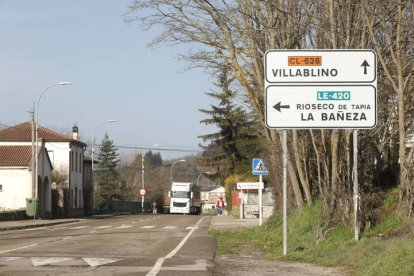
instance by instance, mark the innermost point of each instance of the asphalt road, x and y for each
(126, 245)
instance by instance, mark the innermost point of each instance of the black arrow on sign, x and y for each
(365, 64)
(278, 106)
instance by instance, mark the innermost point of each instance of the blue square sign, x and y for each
(260, 166)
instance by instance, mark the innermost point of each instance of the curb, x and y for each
(7, 228)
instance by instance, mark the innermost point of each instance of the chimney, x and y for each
(75, 133)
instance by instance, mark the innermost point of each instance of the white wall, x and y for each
(59, 153)
(60, 157)
(17, 186)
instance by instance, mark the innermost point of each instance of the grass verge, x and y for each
(386, 249)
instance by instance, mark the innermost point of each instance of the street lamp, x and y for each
(198, 178)
(181, 160)
(93, 138)
(36, 137)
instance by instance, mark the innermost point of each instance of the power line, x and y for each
(170, 149)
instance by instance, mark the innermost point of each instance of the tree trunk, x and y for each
(301, 173)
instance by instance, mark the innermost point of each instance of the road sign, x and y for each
(260, 166)
(321, 106)
(320, 66)
(249, 185)
(321, 89)
(142, 192)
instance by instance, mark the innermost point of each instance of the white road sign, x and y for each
(320, 66)
(249, 185)
(321, 106)
(321, 89)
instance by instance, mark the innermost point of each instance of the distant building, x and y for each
(217, 193)
(205, 194)
(212, 193)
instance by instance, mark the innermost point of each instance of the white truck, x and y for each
(185, 198)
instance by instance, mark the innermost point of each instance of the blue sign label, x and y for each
(260, 166)
(334, 95)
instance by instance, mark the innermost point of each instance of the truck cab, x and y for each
(184, 198)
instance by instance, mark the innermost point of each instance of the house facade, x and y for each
(16, 183)
(66, 155)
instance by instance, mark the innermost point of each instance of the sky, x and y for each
(114, 75)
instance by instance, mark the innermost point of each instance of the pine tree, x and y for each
(231, 148)
(107, 178)
(154, 159)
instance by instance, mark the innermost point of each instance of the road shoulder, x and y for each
(246, 262)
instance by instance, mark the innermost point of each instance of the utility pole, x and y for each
(33, 155)
(143, 185)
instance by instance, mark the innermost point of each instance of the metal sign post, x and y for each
(261, 201)
(356, 190)
(285, 164)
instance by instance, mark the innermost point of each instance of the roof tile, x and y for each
(23, 133)
(15, 156)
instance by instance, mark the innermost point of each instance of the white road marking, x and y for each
(158, 265)
(68, 237)
(191, 228)
(14, 249)
(100, 261)
(103, 227)
(123, 227)
(39, 261)
(58, 228)
(169, 227)
(147, 227)
(79, 227)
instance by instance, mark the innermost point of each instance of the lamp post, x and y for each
(171, 170)
(198, 178)
(36, 138)
(93, 138)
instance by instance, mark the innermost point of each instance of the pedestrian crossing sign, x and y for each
(260, 166)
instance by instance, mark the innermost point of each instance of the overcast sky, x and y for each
(114, 75)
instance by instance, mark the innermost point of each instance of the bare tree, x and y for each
(390, 25)
(237, 33)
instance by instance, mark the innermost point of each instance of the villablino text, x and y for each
(300, 72)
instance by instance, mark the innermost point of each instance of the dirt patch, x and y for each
(252, 265)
